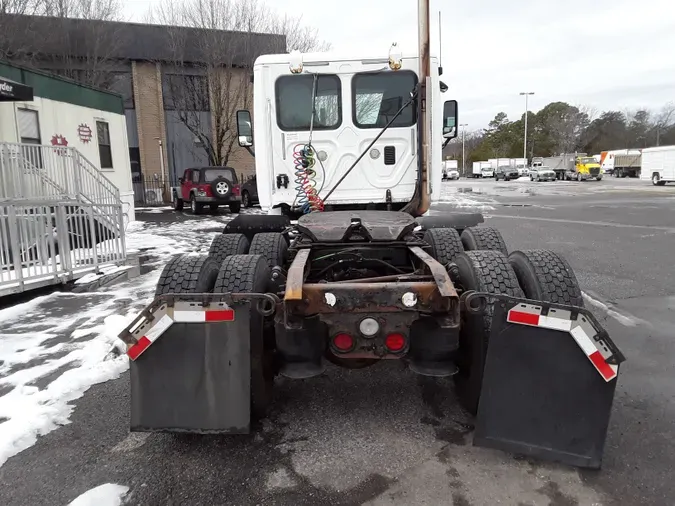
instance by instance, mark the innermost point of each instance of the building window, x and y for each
(29, 126)
(122, 83)
(104, 148)
(185, 92)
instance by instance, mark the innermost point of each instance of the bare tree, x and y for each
(211, 65)
(664, 119)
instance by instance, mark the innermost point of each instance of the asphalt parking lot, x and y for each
(384, 436)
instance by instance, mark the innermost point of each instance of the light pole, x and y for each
(463, 138)
(527, 94)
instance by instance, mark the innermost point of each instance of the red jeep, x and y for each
(208, 186)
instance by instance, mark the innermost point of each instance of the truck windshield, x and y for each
(379, 95)
(587, 160)
(294, 102)
(211, 175)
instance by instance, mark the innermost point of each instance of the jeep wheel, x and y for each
(235, 207)
(246, 199)
(195, 206)
(177, 203)
(221, 188)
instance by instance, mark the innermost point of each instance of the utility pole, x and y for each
(527, 94)
(463, 139)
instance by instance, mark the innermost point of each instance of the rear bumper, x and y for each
(220, 202)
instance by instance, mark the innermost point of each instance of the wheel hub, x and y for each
(222, 188)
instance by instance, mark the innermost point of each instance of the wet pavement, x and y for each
(385, 436)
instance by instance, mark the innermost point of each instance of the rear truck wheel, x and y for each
(246, 199)
(195, 206)
(483, 238)
(544, 275)
(225, 245)
(177, 203)
(235, 207)
(251, 274)
(656, 180)
(445, 244)
(483, 271)
(598, 178)
(272, 246)
(188, 274)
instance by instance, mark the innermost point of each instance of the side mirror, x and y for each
(450, 119)
(244, 129)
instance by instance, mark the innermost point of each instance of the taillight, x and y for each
(206, 189)
(395, 342)
(343, 343)
(236, 190)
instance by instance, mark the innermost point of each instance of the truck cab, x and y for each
(316, 114)
(585, 167)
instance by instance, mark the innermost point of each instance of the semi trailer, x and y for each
(348, 268)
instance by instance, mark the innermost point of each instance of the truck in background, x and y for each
(450, 170)
(521, 165)
(482, 169)
(658, 164)
(574, 166)
(627, 165)
(537, 161)
(607, 158)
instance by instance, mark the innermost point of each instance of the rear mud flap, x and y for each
(195, 378)
(547, 392)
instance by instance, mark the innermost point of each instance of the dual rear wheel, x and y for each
(483, 264)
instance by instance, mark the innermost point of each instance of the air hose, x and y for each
(304, 158)
(307, 196)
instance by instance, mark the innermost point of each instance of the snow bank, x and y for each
(108, 494)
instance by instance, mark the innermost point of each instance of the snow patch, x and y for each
(102, 271)
(108, 494)
(624, 319)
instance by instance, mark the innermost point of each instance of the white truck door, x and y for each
(350, 111)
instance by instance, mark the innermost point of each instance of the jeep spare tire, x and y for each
(221, 188)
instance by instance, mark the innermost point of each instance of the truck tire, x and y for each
(272, 246)
(225, 245)
(251, 274)
(545, 275)
(579, 178)
(445, 244)
(483, 271)
(483, 238)
(188, 274)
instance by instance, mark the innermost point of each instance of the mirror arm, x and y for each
(445, 142)
(250, 151)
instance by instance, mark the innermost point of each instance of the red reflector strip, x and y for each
(224, 315)
(523, 318)
(211, 315)
(141, 345)
(607, 370)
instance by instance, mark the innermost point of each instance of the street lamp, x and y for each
(463, 138)
(526, 93)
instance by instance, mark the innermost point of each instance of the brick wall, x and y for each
(150, 117)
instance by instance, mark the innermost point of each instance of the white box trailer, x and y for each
(520, 164)
(483, 169)
(658, 165)
(450, 170)
(475, 172)
(607, 158)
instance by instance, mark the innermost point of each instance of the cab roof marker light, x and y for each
(295, 63)
(395, 57)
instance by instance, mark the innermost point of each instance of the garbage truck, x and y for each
(347, 268)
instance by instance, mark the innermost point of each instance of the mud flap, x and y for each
(546, 393)
(195, 378)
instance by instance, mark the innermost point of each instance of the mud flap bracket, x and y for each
(542, 394)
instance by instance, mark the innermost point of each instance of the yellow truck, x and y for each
(574, 166)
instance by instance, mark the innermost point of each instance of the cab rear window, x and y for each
(378, 96)
(294, 102)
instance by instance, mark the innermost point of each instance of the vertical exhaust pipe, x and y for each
(421, 200)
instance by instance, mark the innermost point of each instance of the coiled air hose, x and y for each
(307, 196)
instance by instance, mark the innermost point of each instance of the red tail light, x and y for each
(236, 190)
(343, 342)
(206, 189)
(395, 342)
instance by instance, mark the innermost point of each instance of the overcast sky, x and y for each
(606, 54)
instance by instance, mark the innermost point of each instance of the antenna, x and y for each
(440, 42)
